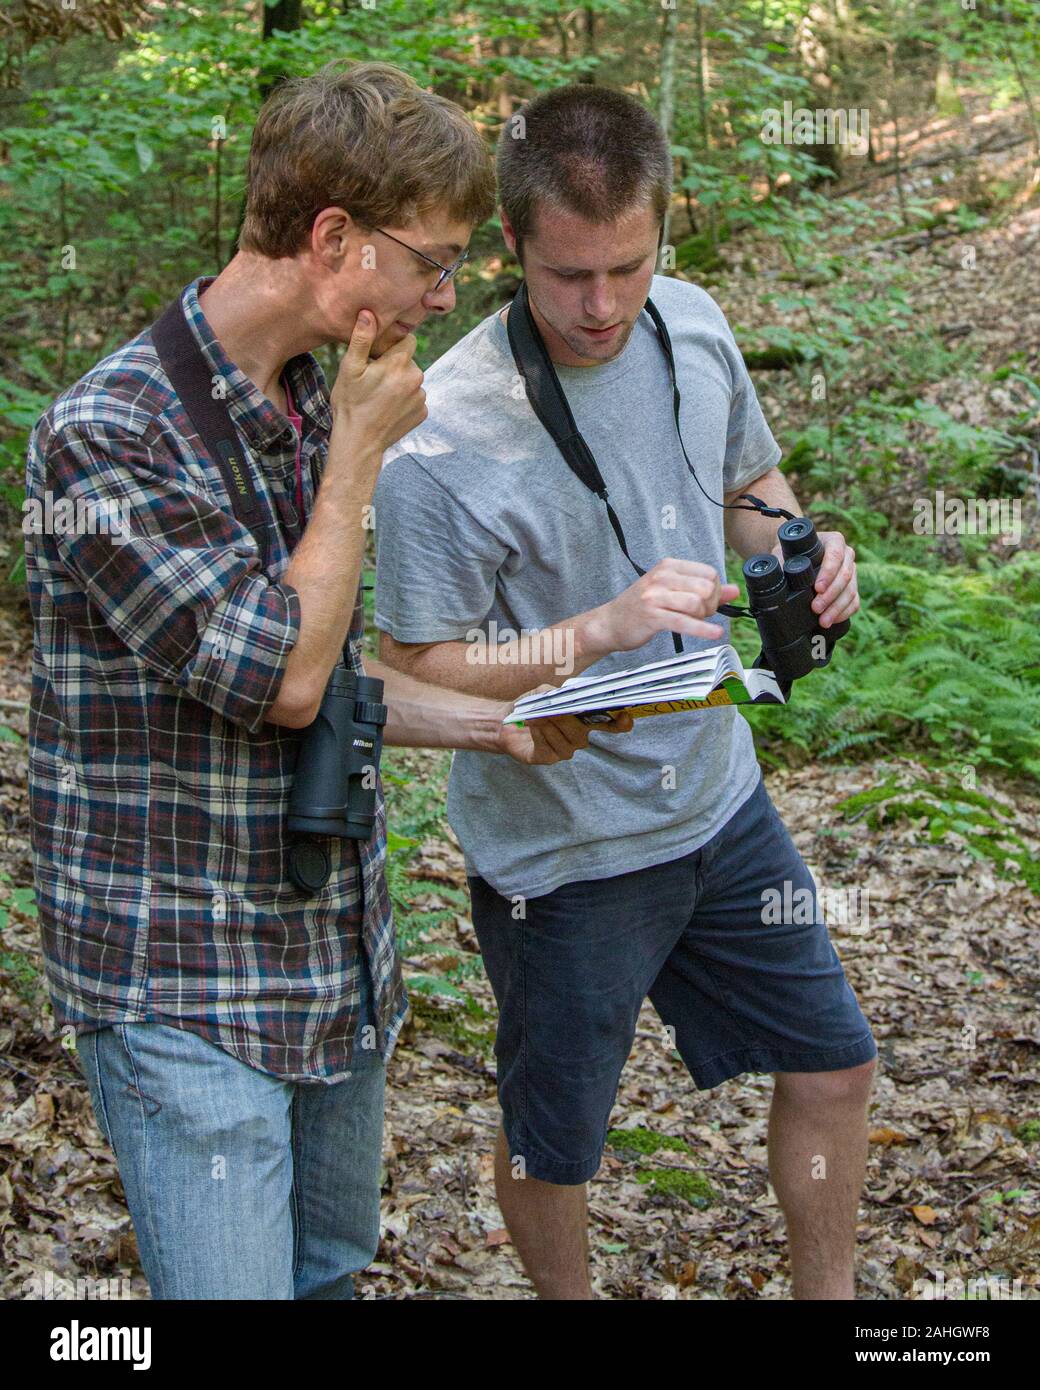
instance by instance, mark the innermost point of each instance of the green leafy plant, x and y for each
(992, 1203)
(19, 970)
(941, 661)
(415, 812)
(945, 810)
(22, 900)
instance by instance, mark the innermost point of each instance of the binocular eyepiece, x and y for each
(780, 600)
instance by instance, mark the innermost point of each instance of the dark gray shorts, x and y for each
(742, 991)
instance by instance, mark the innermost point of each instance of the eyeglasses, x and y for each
(447, 272)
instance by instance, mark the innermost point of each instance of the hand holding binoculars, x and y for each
(780, 600)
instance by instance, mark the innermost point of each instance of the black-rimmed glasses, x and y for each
(447, 272)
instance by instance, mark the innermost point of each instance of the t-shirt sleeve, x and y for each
(436, 566)
(174, 576)
(751, 449)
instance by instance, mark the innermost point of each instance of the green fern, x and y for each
(943, 808)
(942, 660)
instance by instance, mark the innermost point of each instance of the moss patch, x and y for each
(645, 1141)
(678, 1182)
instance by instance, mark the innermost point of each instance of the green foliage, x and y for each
(645, 1141)
(21, 900)
(463, 1023)
(947, 660)
(680, 1183)
(947, 810)
(21, 975)
(415, 812)
(18, 970)
(993, 1203)
(689, 1185)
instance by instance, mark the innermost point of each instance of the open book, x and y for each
(691, 680)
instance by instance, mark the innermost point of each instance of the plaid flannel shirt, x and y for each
(158, 793)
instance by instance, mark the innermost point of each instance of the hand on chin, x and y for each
(389, 337)
(384, 343)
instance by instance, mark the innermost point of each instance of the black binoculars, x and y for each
(336, 779)
(780, 600)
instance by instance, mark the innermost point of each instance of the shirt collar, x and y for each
(261, 421)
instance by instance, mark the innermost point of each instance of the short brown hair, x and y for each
(365, 137)
(586, 149)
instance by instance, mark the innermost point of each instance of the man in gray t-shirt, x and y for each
(483, 530)
(622, 872)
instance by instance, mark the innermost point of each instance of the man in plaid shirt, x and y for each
(233, 1031)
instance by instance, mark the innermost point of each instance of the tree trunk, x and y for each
(503, 99)
(285, 15)
(666, 114)
(1028, 96)
(812, 49)
(218, 160)
(589, 74)
(897, 149)
(702, 75)
(947, 102)
(702, 107)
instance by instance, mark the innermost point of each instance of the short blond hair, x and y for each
(365, 137)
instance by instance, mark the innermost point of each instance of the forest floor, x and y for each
(946, 969)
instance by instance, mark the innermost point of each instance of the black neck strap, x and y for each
(550, 405)
(190, 376)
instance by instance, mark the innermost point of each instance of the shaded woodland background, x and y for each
(887, 305)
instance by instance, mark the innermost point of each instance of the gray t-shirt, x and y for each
(479, 521)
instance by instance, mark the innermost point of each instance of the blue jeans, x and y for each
(240, 1186)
